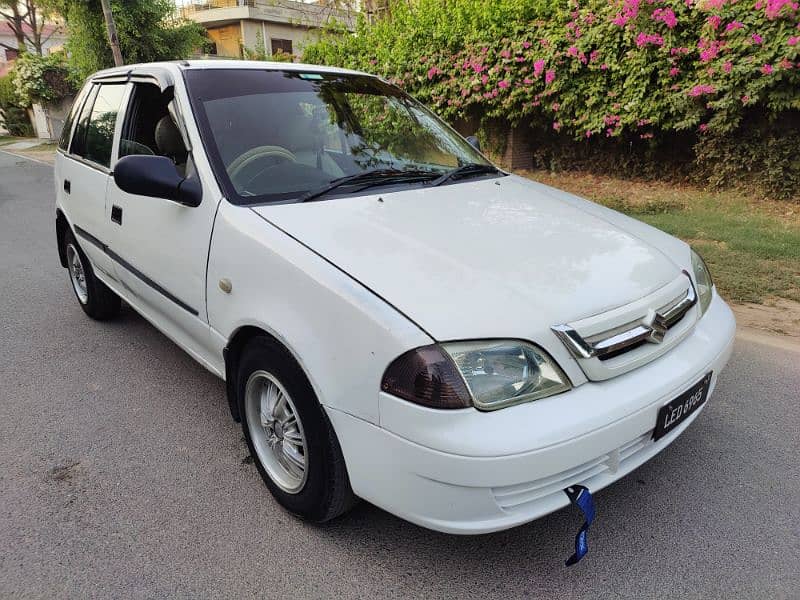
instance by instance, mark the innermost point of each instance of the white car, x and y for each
(396, 318)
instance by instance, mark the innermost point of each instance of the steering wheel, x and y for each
(241, 162)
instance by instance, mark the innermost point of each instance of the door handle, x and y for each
(116, 214)
(67, 186)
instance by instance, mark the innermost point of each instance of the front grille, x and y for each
(608, 339)
(609, 344)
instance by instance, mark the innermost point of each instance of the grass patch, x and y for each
(752, 247)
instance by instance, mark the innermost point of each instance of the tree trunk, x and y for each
(16, 22)
(35, 38)
(112, 34)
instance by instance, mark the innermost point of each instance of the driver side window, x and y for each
(149, 128)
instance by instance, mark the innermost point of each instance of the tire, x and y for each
(322, 491)
(94, 297)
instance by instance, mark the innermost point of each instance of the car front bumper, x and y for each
(467, 472)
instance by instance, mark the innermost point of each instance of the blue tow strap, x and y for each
(581, 497)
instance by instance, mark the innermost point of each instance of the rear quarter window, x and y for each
(63, 142)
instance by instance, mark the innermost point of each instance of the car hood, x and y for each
(499, 257)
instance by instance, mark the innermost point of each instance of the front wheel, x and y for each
(289, 435)
(95, 297)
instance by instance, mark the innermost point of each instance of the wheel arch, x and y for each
(232, 353)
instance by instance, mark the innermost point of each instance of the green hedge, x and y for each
(15, 117)
(625, 71)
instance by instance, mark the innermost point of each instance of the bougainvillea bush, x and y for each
(643, 72)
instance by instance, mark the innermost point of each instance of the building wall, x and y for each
(300, 36)
(228, 39)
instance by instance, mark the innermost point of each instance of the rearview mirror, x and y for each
(157, 177)
(473, 141)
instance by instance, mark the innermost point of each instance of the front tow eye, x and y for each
(581, 497)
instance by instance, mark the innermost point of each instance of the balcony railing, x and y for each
(193, 7)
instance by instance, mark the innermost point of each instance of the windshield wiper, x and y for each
(468, 169)
(369, 178)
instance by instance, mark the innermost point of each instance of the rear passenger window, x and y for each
(103, 118)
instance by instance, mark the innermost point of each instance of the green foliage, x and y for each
(146, 29)
(41, 78)
(763, 155)
(15, 117)
(629, 70)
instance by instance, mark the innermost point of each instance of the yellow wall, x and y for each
(228, 39)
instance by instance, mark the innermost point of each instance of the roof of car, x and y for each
(226, 64)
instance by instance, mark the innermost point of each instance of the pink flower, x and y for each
(549, 76)
(526, 45)
(774, 7)
(503, 84)
(745, 99)
(713, 4)
(792, 41)
(572, 51)
(757, 39)
(506, 53)
(644, 39)
(588, 133)
(528, 81)
(766, 69)
(701, 89)
(703, 127)
(674, 71)
(556, 125)
(538, 67)
(555, 106)
(484, 79)
(733, 25)
(786, 64)
(727, 67)
(433, 72)
(593, 55)
(714, 21)
(630, 10)
(708, 49)
(666, 16)
(603, 67)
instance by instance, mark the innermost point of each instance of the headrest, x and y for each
(168, 139)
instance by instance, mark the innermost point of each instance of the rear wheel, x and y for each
(95, 297)
(289, 435)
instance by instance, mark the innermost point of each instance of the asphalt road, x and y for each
(122, 475)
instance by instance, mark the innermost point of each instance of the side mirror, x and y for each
(157, 177)
(473, 141)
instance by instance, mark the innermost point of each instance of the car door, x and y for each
(85, 171)
(160, 247)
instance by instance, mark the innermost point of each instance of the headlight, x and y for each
(486, 374)
(702, 278)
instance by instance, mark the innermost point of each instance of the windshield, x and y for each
(280, 135)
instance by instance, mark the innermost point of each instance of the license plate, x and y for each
(678, 410)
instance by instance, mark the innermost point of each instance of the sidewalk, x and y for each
(33, 148)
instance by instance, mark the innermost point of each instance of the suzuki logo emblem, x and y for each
(657, 325)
